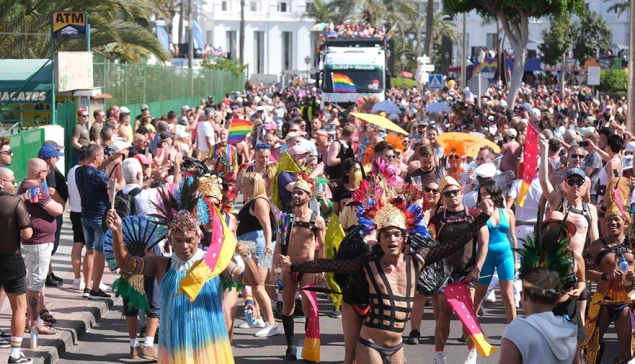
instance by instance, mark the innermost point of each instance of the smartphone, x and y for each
(615, 174)
(584, 144)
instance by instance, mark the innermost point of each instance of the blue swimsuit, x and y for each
(499, 252)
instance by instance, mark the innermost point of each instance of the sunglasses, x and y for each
(84, 116)
(431, 190)
(454, 156)
(298, 192)
(451, 193)
(575, 182)
(577, 156)
(13, 182)
(7, 152)
(389, 156)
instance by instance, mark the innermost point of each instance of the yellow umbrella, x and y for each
(472, 143)
(379, 121)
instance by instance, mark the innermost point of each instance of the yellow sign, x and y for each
(69, 24)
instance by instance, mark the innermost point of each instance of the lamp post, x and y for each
(480, 58)
(403, 60)
(307, 60)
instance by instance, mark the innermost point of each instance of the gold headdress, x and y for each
(303, 182)
(177, 208)
(210, 186)
(615, 198)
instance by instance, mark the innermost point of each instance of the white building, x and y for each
(485, 34)
(277, 36)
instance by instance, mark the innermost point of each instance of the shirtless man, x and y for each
(309, 226)
(603, 267)
(575, 155)
(583, 215)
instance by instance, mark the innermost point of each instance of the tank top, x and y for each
(247, 221)
(603, 180)
(335, 172)
(498, 240)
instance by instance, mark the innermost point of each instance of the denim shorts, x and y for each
(93, 234)
(258, 237)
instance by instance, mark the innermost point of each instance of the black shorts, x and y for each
(12, 273)
(153, 295)
(78, 230)
(585, 294)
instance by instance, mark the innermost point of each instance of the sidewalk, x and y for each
(75, 315)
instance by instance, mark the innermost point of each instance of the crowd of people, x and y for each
(416, 213)
(352, 30)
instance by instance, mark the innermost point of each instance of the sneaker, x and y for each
(50, 282)
(336, 314)
(149, 352)
(491, 297)
(105, 287)
(135, 352)
(55, 278)
(413, 338)
(269, 331)
(86, 292)
(78, 284)
(440, 359)
(4, 344)
(4, 334)
(21, 360)
(259, 323)
(99, 295)
(471, 357)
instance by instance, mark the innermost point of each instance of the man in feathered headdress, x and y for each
(308, 228)
(192, 325)
(613, 300)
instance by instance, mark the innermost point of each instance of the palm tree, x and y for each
(323, 12)
(120, 29)
(620, 7)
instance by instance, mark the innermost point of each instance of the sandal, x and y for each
(45, 315)
(45, 330)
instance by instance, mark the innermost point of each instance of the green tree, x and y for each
(620, 7)
(224, 64)
(557, 40)
(514, 17)
(592, 34)
(323, 12)
(120, 29)
(613, 81)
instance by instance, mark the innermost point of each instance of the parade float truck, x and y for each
(351, 69)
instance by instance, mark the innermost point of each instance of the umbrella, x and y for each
(438, 107)
(405, 74)
(471, 142)
(319, 27)
(380, 121)
(387, 106)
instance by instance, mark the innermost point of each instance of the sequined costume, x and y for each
(192, 332)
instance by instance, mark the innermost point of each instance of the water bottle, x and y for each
(34, 337)
(624, 268)
(249, 317)
(300, 347)
(265, 261)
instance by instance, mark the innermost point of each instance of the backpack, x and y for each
(125, 205)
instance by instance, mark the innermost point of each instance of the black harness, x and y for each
(308, 224)
(619, 250)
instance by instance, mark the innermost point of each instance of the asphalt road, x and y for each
(107, 342)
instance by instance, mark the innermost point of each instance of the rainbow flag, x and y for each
(238, 129)
(530, 162)
(343, 83)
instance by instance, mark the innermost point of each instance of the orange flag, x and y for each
(530, 162)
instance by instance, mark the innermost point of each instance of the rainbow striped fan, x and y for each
(140, 233)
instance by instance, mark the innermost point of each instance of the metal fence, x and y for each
(137, 84)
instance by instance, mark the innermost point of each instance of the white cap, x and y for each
(535, 112)
(630, 147)
(486, 170)
(502, 103)
(124, 110)
(490, 118)
(512, 133)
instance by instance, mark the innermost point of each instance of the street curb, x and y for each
(69, 335)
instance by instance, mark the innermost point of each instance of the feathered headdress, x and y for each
(176, 207)
(366, 103)
(549, 248)
(381, 203)
(615, 198)
(453, 146)
(304, 182)
(396, 141)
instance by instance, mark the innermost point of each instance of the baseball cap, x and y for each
(512, 133)
(291, 136)
(226, 101)
(271, 126)
(575, 172)
(297, 149)
(142, 159)
(185, 108)
(235, 107)
(630, 147)
(486, 170)
(144, 107)
(55, 144)
(49, 151)
(124, 110)
(166, 135)
(143, 130)
(502, 103)
(260, 108)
